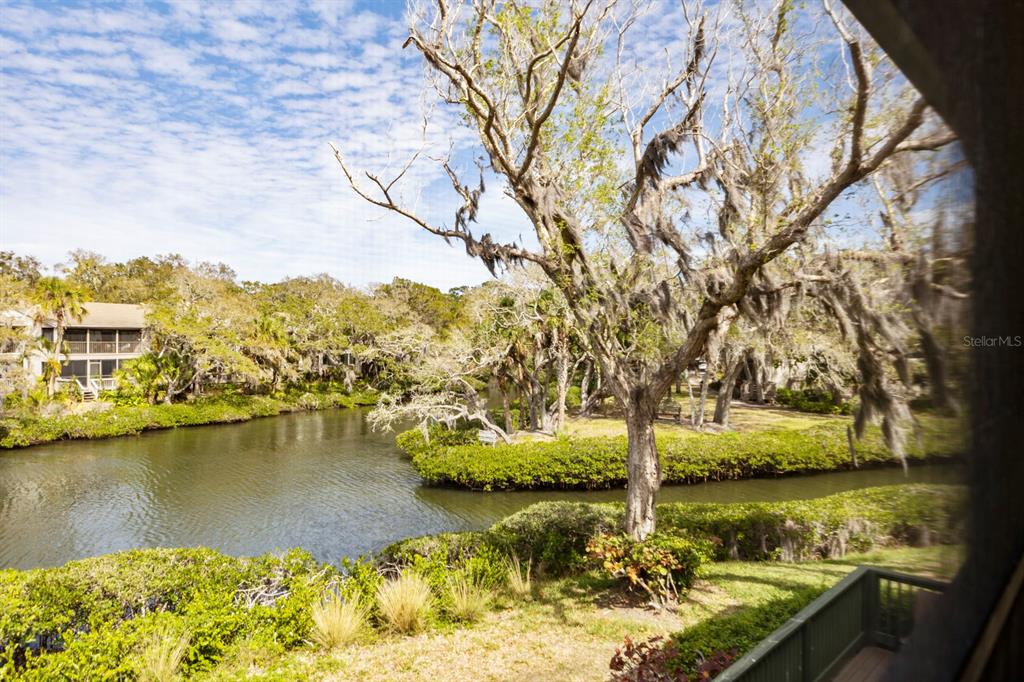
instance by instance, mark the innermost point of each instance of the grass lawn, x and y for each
(570, 628)
(741, 418)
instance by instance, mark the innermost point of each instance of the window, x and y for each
(102, 341)
(74, 369)
(48, 334)
(129, 341)
(75, 341)
(107, 368)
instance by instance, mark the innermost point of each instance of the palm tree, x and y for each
(59, 301)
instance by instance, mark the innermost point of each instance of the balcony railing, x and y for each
(869, 607)
(93, 346)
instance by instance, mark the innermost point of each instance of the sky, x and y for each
(202, 128)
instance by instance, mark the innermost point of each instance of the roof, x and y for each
(15, 318)
(110, 316)
(96, 315)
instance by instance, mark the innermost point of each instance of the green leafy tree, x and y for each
(60, 302)
(609, 173)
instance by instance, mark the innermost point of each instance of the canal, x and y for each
(319, 480)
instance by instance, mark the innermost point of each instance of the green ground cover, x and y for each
(582, 462)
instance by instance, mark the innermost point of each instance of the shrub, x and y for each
(336, 622)
(159, 660)
(359, 582)
(661, 565)
(413, 442)
(405, 602)
(553, 535)
(809, 400)
(826, 527)
(468, 600)
(600, 462)
(456, 548)
(89, 619)
(739, 632)
(652, 661)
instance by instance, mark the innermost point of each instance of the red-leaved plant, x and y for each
(651, 661)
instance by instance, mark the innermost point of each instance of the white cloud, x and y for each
(204, 131)
(202, 128)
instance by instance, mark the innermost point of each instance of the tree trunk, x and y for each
(689, 394)
(585, 385)
(506, 408)
(724, 401)
(642, 466)
(757, 377)
(541, 386)
(562, 384)
(596, 395)
(703, 396)
(534, 411)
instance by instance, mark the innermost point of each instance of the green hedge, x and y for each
(808, 400)
(739, 632)
(88, 619)
(590, 463)
(125, 420)
(826, 527)
(554, 535)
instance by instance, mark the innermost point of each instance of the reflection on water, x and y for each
(324, 481)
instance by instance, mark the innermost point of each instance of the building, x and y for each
(95, 345)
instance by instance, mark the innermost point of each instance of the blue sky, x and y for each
(202, 128)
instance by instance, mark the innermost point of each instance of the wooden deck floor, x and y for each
(867, 666)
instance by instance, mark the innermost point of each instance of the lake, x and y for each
(319, 480)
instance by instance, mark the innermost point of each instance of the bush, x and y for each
(405, 602)
(664, 566)
(553, 535)
(88, 619)
(413, 442)
(807, 400)
(590, 463)
(826, 527)
(739, 632)
(653, 660)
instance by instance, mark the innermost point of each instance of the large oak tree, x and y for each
(660, 187)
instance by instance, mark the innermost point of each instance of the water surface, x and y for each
(320, 480)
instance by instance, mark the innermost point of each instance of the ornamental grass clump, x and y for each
(468, 600)
(405, 602)
(518, 578)
(337, 622)
(160, 658)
